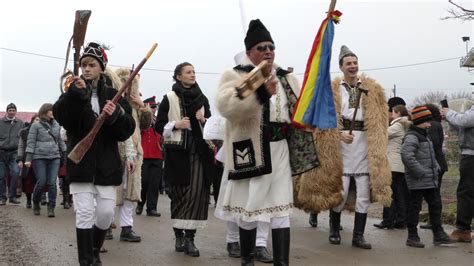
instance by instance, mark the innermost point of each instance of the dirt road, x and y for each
(28, 239)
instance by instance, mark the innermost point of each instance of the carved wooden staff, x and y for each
(83, 146)
(359, 95)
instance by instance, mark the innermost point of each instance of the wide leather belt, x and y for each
(358, 125)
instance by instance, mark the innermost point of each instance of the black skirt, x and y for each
(190, 202)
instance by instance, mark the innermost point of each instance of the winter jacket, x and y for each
(418, 156)
(396, 132)
(9, 130)
(21, 152)
(41, 144)
(436, 135)
(465, 124)
(101, 164)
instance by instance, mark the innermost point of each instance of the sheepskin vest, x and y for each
(320, 189)
(247, 127)
(174, 114)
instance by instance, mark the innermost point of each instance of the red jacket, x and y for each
(151, 143)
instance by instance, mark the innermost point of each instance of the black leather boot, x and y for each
(262, 255)
(313, 219)
(98, 238)
(179, 243)
(128, 235)
(139, 208)
(84, 246)
(36, 208)
(109, 235)
(334, 226)
(234, 249)
(441, 238)
(413, 239)
(28, 200)
(384, 224)
(247, 246)
(281, 246)
(189, 247)
(66, 204)
(358, 239)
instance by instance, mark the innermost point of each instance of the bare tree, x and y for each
(459, 12)
(460, 95)
(460, 100)
(429, 97)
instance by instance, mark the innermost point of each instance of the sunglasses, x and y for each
(263, 48)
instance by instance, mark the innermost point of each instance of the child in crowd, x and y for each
(421, 173)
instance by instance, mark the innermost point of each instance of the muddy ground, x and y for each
(26, 239)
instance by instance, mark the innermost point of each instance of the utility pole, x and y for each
(394, 90)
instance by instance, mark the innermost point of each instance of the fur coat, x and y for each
(141, 116)
(320, 189)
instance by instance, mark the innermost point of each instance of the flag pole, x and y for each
(332, 6)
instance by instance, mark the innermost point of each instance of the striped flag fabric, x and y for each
(315, 106)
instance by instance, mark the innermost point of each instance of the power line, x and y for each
(61, 58)
(217, 73)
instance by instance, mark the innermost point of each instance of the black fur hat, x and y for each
(256, 33)
(392, 102)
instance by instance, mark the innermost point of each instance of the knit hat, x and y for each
(97, 51)
(392, 102)
(345, 52)
(256, 33)
(420, 114)
(11, 106)
(151, 101)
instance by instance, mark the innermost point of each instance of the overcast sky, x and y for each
(208, 33)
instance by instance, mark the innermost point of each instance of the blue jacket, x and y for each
(41, 145)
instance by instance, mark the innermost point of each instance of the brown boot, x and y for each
(461, 236)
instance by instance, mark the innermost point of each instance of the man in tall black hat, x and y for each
(257, 160)
(93, 180)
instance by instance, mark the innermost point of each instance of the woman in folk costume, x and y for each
(359, 158)
(180, 120)
(131, 153)
(257, 161)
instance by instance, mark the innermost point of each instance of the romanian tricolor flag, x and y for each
(315, 105)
